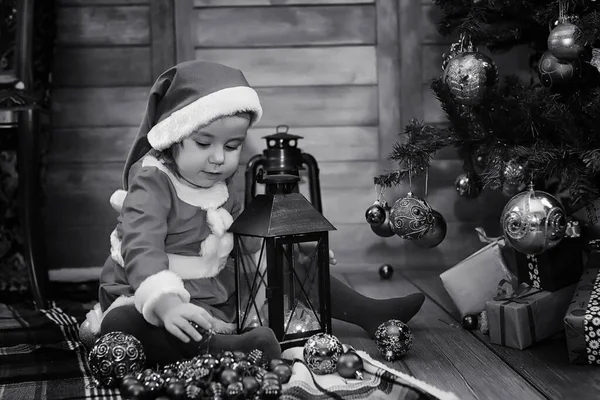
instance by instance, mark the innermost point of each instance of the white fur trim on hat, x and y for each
(202, 112)
(153, 288)
(205, 198)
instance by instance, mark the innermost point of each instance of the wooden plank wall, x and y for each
(344, 74)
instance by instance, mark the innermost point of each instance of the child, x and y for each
(169, 266)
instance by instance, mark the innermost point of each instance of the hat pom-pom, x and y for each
(117, 199)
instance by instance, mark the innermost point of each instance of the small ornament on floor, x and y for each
(469, 322)
(393, 339)
(321, 353)
(350, 366)
(386, 271)
(115, 355)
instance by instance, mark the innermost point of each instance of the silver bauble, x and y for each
(321, 353)
(411, 217)
(384, 229)
(470, 76)
(533, 221)
(565, 41)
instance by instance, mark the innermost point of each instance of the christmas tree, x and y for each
(511, 134)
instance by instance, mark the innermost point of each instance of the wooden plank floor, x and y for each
(464, 362)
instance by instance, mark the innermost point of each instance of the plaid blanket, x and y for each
(41, 357)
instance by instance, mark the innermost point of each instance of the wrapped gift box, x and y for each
(551, 270)
(589, 218)
(474, 281)
(521, 321)
(582, 320)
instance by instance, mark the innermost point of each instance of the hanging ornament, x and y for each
(513, 177)
(467, 186)
(375, 214)
(533, 221)
(386, 271)
(115, 355)
(565, 42)
(565, 39)
(384, 229)
(411, 217)
(350, 366)
(435, 234)
(321, 353)
(554, 72)
(469, 74)
(393, 339)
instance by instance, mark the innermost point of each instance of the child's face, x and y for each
(212, 154)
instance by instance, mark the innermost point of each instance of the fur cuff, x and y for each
(115, 248)
(219, 220)
(153, 288)
(117, 199)
(208, 264)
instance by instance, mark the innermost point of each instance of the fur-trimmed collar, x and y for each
(212, 197)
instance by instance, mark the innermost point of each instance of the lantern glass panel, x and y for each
(298, 272)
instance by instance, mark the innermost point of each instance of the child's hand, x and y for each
(332, 259)
(177, 321)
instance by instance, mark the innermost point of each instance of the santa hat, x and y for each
(187, 97)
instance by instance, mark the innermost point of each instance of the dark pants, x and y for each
(162, 348)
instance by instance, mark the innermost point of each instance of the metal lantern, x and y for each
(283, 157)
(281, 253)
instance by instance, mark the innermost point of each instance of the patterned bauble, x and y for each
(375, 214)
(384, 229)
(386, 271)
(115, 355)
(257, 357)
(434, 235)
(411, 217)
(470, 76)
(533, 222)
(467, 186)
(321, 353)
(393, 339)
(555, 72)
(565, 41)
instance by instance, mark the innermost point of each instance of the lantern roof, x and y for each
(270, 215)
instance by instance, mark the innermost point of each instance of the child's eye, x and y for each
(232, 148)
(203, 145)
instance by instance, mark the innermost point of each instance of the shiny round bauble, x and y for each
(565, 41)
(411, 217)
(115, 355)
(469, 322)
(321, 353)
(386, 271)
(384, 229)
(533, 221)
(470, 77)
(175, 390)
(393, 339)
(251, 385)
(555, 72)
(513, 173)
(434, 235)
(375, 214)
(350, 365)
(229, 376)
(466, 186)
(284, 371)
